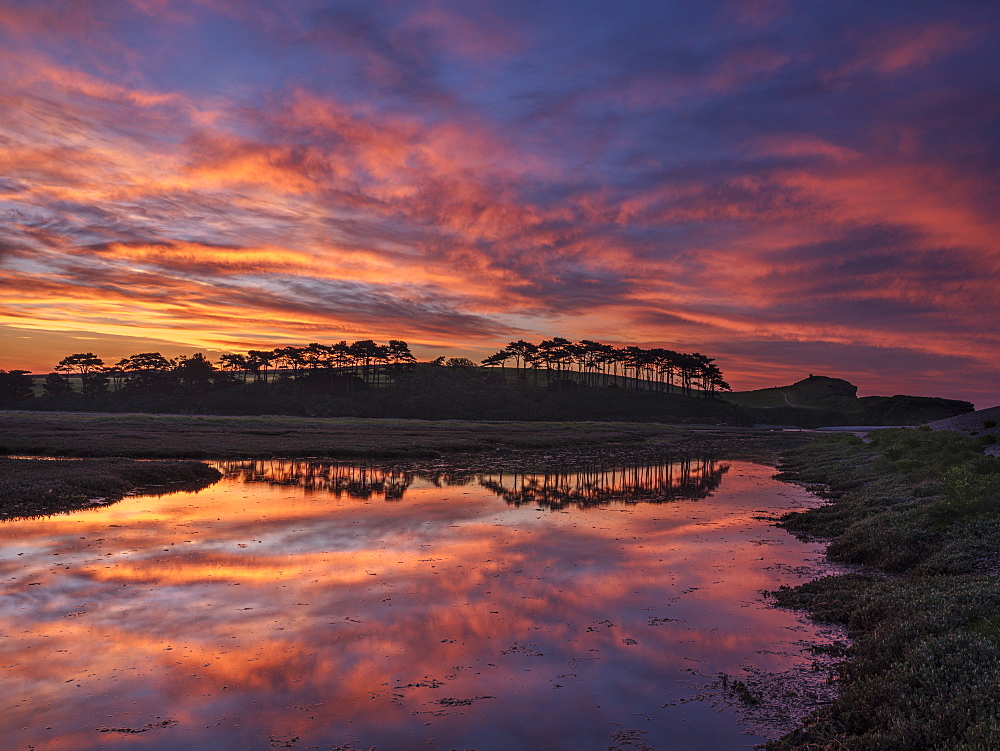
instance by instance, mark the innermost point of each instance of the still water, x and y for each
(326, 606)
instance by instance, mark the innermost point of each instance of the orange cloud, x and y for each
(443, 174)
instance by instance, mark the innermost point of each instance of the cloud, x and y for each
(910, 47)
(452, 174)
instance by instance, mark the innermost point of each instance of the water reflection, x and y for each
(685, 478)
(340, 480)
(276, 613)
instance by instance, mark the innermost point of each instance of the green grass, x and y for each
(34, 487)
(917, 509)
(924, 672)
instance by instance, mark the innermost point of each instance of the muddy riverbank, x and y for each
(36, 487)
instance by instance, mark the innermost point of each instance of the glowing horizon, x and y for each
(788, 190)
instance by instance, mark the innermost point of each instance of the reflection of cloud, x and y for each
(456, 176)
(267, 604)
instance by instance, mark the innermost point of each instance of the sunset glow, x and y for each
(790, 188)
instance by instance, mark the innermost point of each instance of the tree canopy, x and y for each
(591, 363)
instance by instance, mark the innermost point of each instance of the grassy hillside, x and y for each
(424, 392)
(814, 392)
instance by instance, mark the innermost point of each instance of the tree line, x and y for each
(147, 370)
(594, 364)
(363, 363)
(365, 355)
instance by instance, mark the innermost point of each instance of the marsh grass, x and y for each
(971, 489)
(918, 510)
(34, 487)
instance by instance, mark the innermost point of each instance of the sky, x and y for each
(788, 187)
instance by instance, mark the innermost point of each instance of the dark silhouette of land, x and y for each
(525, 444)
(555, 379)
(819, 401)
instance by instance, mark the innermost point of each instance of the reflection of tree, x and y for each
(337, 479)
(682, 479)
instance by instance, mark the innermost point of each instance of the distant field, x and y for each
(209, 436)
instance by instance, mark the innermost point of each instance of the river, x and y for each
(317, 605)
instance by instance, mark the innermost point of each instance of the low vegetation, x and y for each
(31, 487)
(919, 512)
